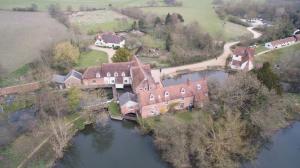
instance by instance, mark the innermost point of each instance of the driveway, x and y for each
(220, 61)
(110, 52)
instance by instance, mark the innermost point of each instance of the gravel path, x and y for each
(110, 52)
(218, 62)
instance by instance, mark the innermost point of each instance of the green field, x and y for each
(275, 55)
(202, 11)
(43, 4)
(98, 21)
(92, 58)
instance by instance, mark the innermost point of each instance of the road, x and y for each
(110, 52)
(220, 61)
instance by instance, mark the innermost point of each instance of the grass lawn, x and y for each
(152, 42)
(275, 55)
(202, 11)
(114, 109)
(104, 20)
(260, 48)
(13, 78)
(92, 58)
(43, 4)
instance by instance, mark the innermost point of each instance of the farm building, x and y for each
(281, 43)
(149, 97)
(72, 79)
(110, 40)
(242, 59)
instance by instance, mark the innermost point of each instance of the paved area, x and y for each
(220, 61)
(110, 52)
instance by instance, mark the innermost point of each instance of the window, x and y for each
(112, 81)
(98, 75)
(198, 87)
(145, 89)
(151, 97)
(125, 81)
(116, 74)
(166, 94)
(182, 91)
(123, 74)
(108, 74)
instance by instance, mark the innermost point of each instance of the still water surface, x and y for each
(117, 145)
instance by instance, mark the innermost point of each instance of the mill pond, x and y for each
(120, 145)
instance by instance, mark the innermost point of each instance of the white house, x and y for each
(242, 59)
(281, 43)
(110, 40)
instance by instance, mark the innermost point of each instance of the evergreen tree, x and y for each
(157, 21)
(269, 78)
(168, 19)
(168, 42)
(141, 24)
(180, 17)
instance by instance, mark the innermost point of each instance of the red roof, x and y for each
(283, 41)
(173, 92)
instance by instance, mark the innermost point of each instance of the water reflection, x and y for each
(116, 145)
(283, 152)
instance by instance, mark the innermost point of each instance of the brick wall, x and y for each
(28, 87)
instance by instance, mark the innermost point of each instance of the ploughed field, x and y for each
(24, 35)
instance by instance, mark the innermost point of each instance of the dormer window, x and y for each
(108, 74)
(198, 87)
(123, 74)
(151, 97)
(182, 91)
(166, 94)
(98, 75)
(116, 74)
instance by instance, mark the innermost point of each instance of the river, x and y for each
(282, 152)
(117, 145)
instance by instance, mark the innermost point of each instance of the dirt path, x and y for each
(37, 148)
(110, 52)
(220, 61)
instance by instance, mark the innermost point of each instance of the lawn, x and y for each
(275, 55)
(43, 4)
(114, 109)
(202, 11)
(260, 48)
(24, 35)
(92, 58)
(96, 21)
(13, 78)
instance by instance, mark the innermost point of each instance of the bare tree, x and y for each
(62, 134)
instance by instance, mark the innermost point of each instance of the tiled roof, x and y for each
(297, 36)
(110, 37)
(124, 98)
(91, 72)
(173, 92)
(244, 51)
(121, 67)
(141, 74)
(58, 78)
(283, 41)
(116, 67)
(75, 74)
